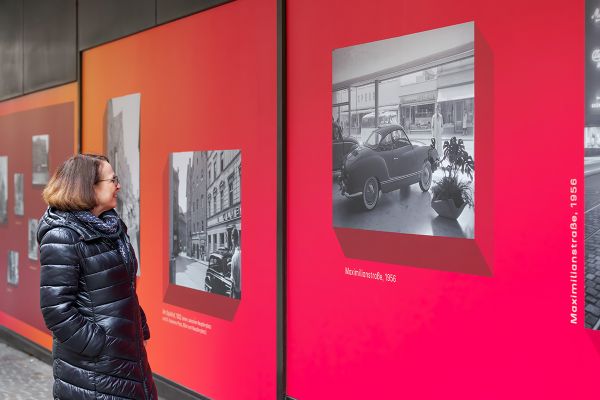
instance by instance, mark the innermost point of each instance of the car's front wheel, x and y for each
(370, 194)
(426, 176)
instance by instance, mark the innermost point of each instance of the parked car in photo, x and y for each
(218, 274)
(341, 147)
(385, 162)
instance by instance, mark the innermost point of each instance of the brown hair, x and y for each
(71, 187)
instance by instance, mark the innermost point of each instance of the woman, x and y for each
(87, 292)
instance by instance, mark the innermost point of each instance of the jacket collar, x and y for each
(55, 218)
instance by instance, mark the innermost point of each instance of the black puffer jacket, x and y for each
(89, 303)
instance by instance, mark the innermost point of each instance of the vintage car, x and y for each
(218, 274)
(386, 162)
(341, 147)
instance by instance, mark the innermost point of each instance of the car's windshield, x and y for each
(404, 137)
(374, 139)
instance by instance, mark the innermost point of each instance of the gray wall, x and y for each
(40, 40)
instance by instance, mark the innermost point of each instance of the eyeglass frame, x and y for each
(114, 180)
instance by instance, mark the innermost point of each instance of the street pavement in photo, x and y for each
(190, 272)
(407, 210)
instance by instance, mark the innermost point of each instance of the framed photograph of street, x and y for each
(18, 190)
(403, 134)
(12, 276)
(123, 150)
(40, 149)
(206, 222)
(32, 247)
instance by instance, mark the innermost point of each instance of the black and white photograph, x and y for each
(592, 226)
(19, 203)
(206, 221)
(12, 275)
(32, 247)
(591, 153)
(403, 134)
(39, 152)
(123, 151)
(3, 189)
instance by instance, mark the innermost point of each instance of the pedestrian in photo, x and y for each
(437, 126)
(88, 287)
(236, 267)
(337, 129)
(464, 122)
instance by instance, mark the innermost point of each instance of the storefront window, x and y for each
(388, 101)
(447, 110)
(421, 116)
(362, 111)
(340, 96)
(359, 99)
(469, 107)
(341, 116)
(458, 114)
(409, 100)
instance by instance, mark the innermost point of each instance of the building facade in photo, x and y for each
(175, 246)
(196, 206)
(224, 208)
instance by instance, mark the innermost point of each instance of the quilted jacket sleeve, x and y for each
(59, 284)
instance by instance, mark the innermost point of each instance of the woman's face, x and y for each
(106, 189)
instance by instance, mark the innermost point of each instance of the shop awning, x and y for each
(456, 92)
(381, 114)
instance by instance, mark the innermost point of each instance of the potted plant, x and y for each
(451, 194)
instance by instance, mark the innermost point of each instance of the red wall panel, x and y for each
(433, 333)
(52, 112)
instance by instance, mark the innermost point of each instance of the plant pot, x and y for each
(447, 208)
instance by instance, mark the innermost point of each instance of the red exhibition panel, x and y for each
(53, 115)
(493, 310)
(205, 82)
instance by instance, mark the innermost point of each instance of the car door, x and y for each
(385, 149)
(402, 160)
(414, 157)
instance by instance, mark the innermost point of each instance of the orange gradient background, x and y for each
(207, 82)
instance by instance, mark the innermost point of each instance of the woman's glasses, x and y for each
(114, 180)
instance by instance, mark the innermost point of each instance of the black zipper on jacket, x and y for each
(132, 277)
